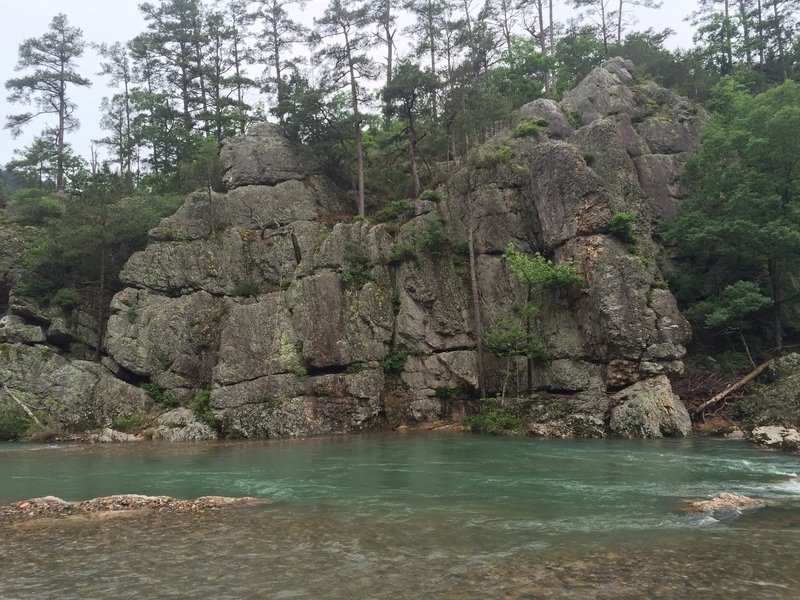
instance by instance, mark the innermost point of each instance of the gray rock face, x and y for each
(544, 109)
(298, 323)
(73, 395)
(263, 157)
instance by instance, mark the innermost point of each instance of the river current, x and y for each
(407, 516)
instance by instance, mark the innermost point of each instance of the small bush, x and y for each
(588, 158)
(393, 212)
(527, 129)
(66, 298)
(431, 195)
(495, 419)
(35, 207)
(126, 423)
(501, 155)
(14, 423)
(401, 252)
(622, 226)
(357, 271)
(432, 237)
(573, 117)
(200, 405)
(246, 289)
(159, 396)
(395, 362)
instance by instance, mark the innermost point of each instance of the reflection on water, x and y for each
(438, 516)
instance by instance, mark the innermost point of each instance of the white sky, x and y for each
(119, 20)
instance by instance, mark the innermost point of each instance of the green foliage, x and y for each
(510, 337)
(14, 423)
(622, 226)
(732, 310)
(539, 271)
(527, 129)
(66, 298)
(431, 196)
(246, 289)
(159, 396)
(742, 223)
(489, 159)
(96, 231)
(358, 265)
(397, 210)
(200, 405)
(573, 117)
(395, 362)
(129, 422)
(588, 158)
(35, 207)
(495, 418)
(401, 252)
(432, 238)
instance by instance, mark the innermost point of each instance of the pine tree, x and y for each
(344, 28)
(52, 59)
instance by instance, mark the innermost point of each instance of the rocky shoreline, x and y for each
(51, 506)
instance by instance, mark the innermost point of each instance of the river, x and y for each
(407, 516)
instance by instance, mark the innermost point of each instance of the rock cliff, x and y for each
(300, 320)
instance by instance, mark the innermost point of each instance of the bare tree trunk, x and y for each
(98, 351)
(476, 304)
(777, 320)
(779, 37)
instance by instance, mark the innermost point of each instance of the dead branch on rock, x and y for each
(22, 405)
(736, 386)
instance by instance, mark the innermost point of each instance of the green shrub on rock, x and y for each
(14, 423)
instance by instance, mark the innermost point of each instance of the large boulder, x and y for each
(263, 157)
(649, 409)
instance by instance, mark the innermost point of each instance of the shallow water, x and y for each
(407, 516)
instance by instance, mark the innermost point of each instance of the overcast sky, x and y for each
(119, 20)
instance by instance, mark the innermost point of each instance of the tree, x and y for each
(343, 27)
(598, 12)
(621, 12)
(280, 33)
(80, 253)
(52, 57)
(429, 31)
(174, 39)
(226, 80)
(535, 273)
(117, 66)
(742, 223)
(405, 96)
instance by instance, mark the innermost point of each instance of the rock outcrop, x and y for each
(299, 320)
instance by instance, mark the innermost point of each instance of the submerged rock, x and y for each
(51, 506)
(723, 502)
(111, 436)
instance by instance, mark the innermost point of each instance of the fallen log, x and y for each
(736, 386)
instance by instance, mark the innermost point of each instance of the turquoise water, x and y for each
(406, 516)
